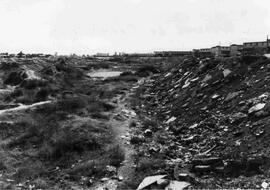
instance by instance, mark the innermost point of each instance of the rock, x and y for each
(186, 85)
(111, 169)
(104, 179)
(137, 139)
(168, 74)
(163, 182)
(215, 96)
(256, 108)
(193, 126)
(226, 72)
(149, 181)
(232, 95)
(148, 133)
(120, 178)
(238, 117)
(207, 78)
(177, 185)
(265, 185)
(195, 79)
(171, 120)
(186, 177)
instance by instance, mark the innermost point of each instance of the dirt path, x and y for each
(120, 122)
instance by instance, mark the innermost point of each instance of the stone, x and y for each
(120, 178)
(163, 182)
(186, 85)
(177, 185)
(104, 179)
(111, 169)
(207, 78)
(265, 185)
(149, 181)
(170, 120)
(226, 72)
(193, 126)
(215, 96)
(238, 117)
(256, 108)
(232, 95)
(186, 177)
(148, 132)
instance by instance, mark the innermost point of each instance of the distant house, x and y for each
(236, 49)
(220, 51)
(172, 53)
(138, 54)
(102, 55)
(204, 52)
(258, 48)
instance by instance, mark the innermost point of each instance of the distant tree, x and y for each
(20, 54)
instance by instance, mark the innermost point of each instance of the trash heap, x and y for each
(213, 120)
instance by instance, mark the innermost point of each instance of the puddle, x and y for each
(104, 74)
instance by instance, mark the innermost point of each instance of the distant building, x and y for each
(139, 54)
(204, 52)
(257, 48)
(172, 53)
(220, 51)
(102, 55)
(236, 49)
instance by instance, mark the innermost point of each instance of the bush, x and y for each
(71, 104)
(98, 106)
(42, 94)
(115, 156)
(15, 78)
(97, 167)
(146, 70)
(148, 164)
(9, 65)
(73, 139)
(33, 83)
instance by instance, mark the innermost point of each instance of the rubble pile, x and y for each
(212, 120)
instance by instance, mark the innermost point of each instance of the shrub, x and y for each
(71, 104)
(15, 78)
(33, 83)
(73, 140)
(146, 70)
(9, 65)
(115, 156)
(148, 164)
(42, 94)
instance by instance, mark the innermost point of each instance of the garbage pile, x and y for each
(213, 120)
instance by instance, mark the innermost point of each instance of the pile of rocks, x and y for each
(214, 115)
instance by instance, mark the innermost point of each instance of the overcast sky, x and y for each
(90, 26)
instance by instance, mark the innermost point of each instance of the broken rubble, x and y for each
(256, 108)
(149, 181)
(177, 185)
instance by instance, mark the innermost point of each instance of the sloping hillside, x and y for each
(207, 122)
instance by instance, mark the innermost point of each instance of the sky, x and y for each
(90, 26)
